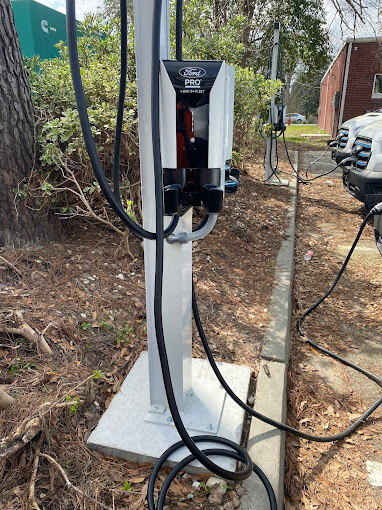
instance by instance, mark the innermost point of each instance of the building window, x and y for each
(377, 86)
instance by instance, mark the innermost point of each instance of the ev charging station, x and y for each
(185, 127)
(196, 125)
(275, 115)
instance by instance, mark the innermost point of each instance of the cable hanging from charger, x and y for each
(235, 451)
(189, 442)
(301, 179)
(202, 456)
(113, 198)
(281, 426)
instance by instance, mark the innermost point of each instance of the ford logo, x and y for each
(192, 72)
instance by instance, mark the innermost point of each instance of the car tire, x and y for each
(299, 121)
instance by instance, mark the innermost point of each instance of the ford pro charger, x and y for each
(196, 123)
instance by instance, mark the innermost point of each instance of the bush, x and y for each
(252, 98)
(64, 180)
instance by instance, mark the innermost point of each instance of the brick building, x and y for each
(352, 85)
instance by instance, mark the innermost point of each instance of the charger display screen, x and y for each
(192, 81)
(192, 121)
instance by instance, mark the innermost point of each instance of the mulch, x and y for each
(332, 475)
(88, 300)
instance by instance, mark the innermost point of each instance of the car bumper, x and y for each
(362, 183)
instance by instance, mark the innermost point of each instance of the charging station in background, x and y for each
(277, 117)
(196, 126)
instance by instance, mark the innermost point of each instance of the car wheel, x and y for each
(299, 120)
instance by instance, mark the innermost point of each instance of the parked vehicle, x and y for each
(363, 177)
(296, 117)
(349, 131)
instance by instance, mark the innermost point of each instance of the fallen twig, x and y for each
(31, 426)
(69, 483)
(9, 264)
(30, 334)
(22, 436)
(32, 499)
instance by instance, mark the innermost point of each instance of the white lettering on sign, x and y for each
(44, 26)
(192, 72)
(191, 83)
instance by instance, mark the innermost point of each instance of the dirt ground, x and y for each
(325, 397)
(88, 302)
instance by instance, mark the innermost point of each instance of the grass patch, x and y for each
(294, 134)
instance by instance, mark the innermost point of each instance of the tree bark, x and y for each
(19, 225)
(248, 7)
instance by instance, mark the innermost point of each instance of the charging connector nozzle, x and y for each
(377, 209)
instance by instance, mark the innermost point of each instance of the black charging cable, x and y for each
(281, 426)
(115, 203)
(236, 451)
(188, 441)
(355, 425)
(121, 102)
(179, 30)
(303, 180)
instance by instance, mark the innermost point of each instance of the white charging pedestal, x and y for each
(137, 424)
(270, 155)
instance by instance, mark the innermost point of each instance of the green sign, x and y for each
(39, 28)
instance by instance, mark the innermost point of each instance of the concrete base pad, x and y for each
(123, 430)
(277, 182)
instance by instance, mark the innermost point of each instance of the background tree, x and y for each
(355, 17)
(305, 94)
(304, 36)
(19, 225)
(109, 9)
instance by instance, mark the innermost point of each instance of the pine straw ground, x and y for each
(333, 475)
(89, 303)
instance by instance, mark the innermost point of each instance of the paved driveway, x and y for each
(325, 164)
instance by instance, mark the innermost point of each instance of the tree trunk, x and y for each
(248, 7)
(18, 225)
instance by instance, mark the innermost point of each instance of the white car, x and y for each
(349, 131)
(363, 177)
(296, 117)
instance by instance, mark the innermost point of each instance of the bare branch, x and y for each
(69, 483)
(30, 334)
(31, 498)
(9, 264)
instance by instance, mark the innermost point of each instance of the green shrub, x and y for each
(63, 180)
(252, 99)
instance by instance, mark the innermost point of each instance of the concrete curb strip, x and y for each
(266, 445)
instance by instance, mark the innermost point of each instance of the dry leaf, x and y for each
(137, 479)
